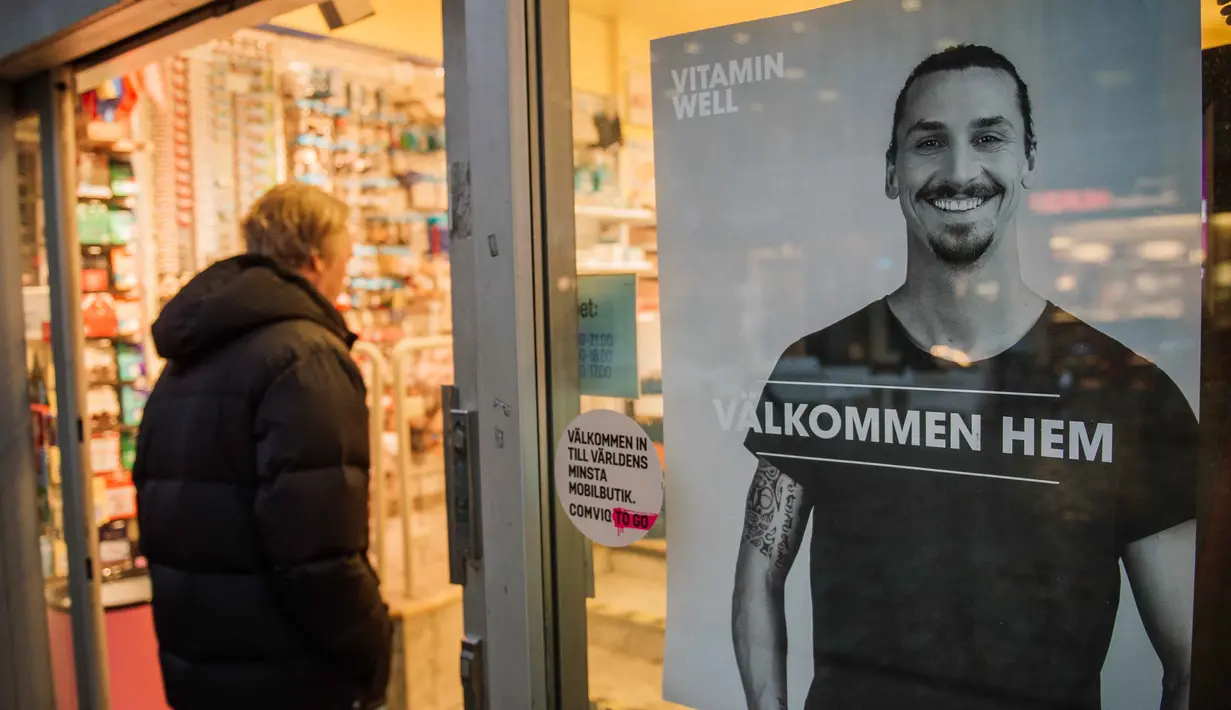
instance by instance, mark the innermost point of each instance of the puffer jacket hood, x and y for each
(234, 297)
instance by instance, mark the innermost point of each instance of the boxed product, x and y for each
(123, 183)
(100, 363)
(129, 362)
(113, 545)
(103, 404)
(124, 269)
(122, 225)
(128, 450)
(98, 315)
(93, 223)
(95, 275)
(128, 317)
(132, 405)
(105, 452)
(121, 502)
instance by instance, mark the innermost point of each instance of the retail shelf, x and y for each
(125, 338)
(123, 145)
(131, 588)
(319, 106)
(629, 215)
(426, 342)
(641, 268)
(128, 590)
(94, 192)
(408, 215)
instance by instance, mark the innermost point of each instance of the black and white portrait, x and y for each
(937, 427)
(969, 511)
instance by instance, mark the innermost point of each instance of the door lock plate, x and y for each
(461, 485)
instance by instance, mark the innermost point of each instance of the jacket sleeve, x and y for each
(312, 513)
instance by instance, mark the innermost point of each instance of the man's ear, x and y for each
(314, 267)
(1028, 175)
(891, 179)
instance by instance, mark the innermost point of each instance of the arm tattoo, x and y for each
(770, 513)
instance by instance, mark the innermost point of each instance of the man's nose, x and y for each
(962, 165)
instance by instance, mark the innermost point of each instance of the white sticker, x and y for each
(608, 478)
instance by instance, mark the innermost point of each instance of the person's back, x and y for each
(252, 478)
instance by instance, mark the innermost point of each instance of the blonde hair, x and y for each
(294, 222)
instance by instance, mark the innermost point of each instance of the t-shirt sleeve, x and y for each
(1159, 490)
(775, 449)
(756, 442)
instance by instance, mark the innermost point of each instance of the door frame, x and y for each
(497, 330)
(51, 97)
(53, 94)
(513, 259)
(25, 649)
(569, 572)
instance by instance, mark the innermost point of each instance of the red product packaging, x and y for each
(95, 280)
(98, 315)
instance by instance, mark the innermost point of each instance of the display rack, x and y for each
(369, 132)
(173, 181)
(116, 324)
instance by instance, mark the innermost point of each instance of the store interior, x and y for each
(171, 154)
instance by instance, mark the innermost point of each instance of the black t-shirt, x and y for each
(945, 572)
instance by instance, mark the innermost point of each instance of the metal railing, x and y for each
(376, 431)
(392, 370)
(403, 350)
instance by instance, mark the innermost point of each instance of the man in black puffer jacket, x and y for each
(252, 478)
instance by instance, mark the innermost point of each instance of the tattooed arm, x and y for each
(775, 516)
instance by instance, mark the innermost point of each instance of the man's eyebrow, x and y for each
(922, 126)
(990, 122)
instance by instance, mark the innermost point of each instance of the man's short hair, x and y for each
(964, 56)
(293, 222)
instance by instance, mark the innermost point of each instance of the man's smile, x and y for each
(958, 205)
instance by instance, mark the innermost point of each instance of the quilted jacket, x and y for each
(252, 493)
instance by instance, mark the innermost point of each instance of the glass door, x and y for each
(872, 277)
(81, 599)
(31, 482)
(40, 374)
(43, 275)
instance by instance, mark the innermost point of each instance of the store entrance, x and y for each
(168, 152)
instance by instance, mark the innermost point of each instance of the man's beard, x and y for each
(961, 245)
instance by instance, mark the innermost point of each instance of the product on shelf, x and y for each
(98, 315)
(100, 364)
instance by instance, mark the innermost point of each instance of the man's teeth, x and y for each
(958, 205)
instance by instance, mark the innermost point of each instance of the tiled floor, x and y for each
(626, 622)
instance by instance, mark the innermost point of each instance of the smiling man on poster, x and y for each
(966, 539)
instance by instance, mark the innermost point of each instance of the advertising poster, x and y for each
(931, 294)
